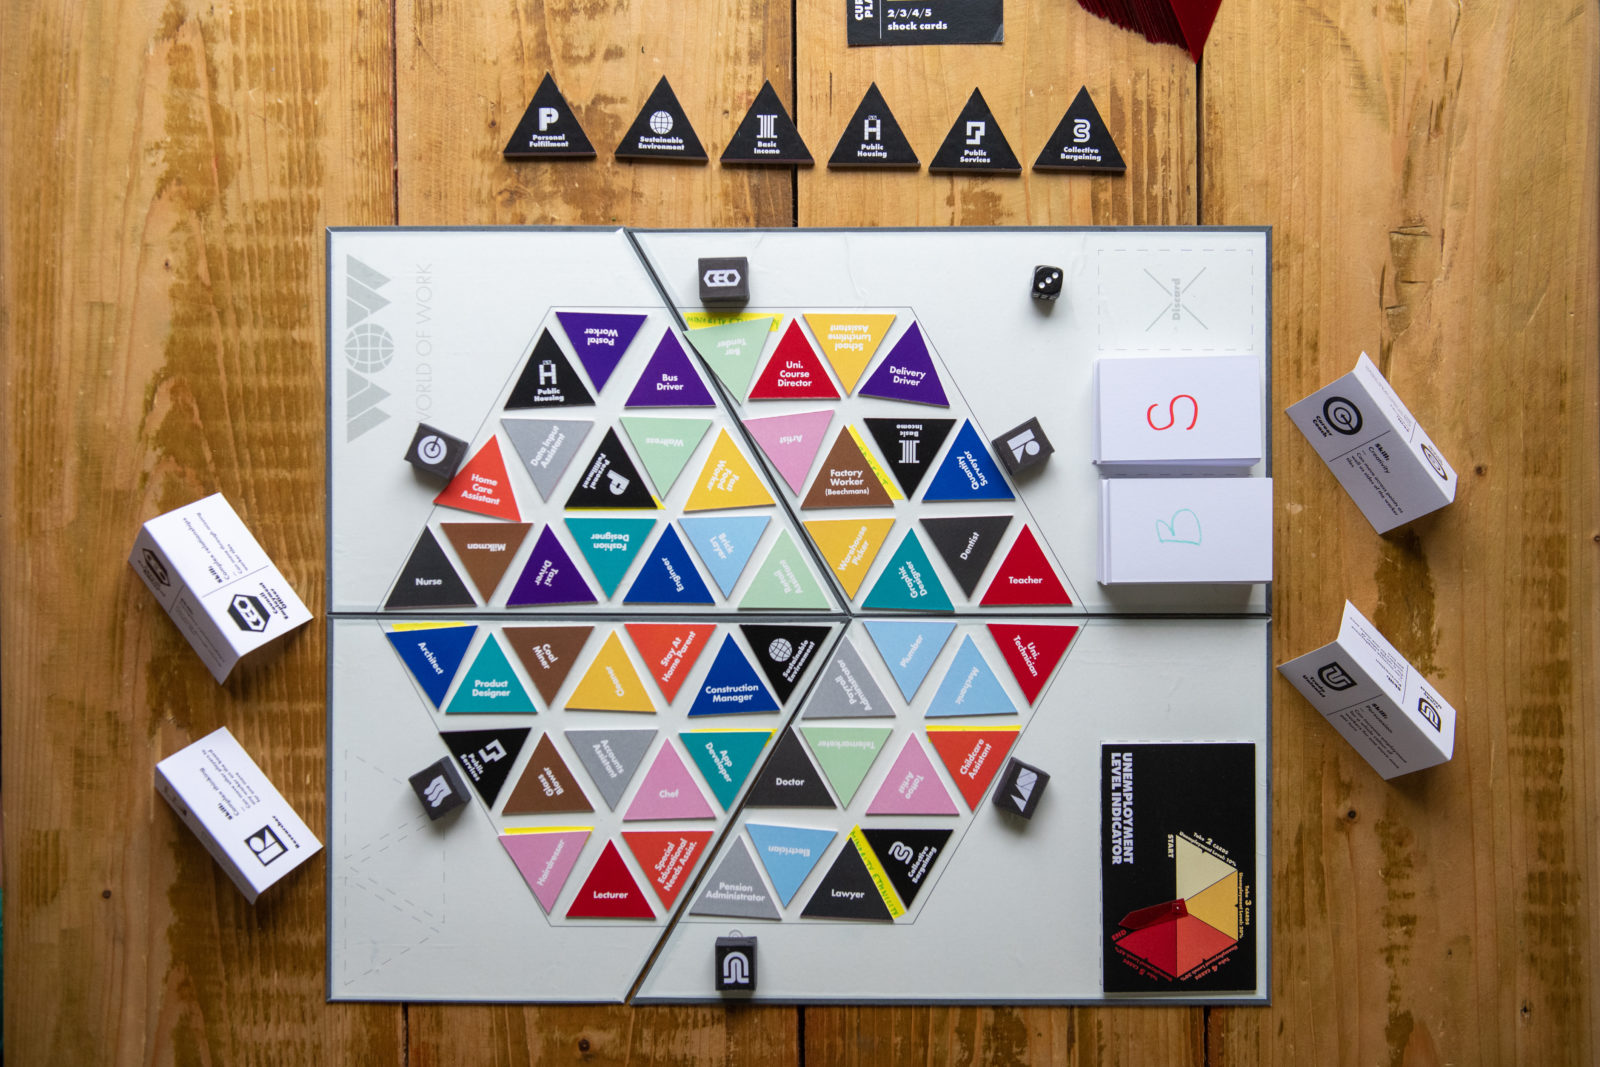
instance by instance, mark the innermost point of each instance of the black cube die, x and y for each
(1046, 283)
(439, 787)
(725, 280)
(1022, 447)
(736, 965)
(436, 452)
(1020, 787)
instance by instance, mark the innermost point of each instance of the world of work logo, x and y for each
(368, 347)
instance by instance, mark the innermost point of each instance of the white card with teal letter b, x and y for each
(1169, 530)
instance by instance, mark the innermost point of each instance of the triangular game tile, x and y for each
(548, 380)
(794, 372)
(909, 648)
(724, 543)
(907, 856)
(1032, 651)
(546, 786)
(732, 351)
(909, 446)
(784, 651)
(670, 650)
(970, 687)
(845, 754)
(1025, 576)
(608, 545)
(486, 756)
(873, 138)
(550, 576)
(433, 655)
(485, 549)
(907, 582)
(547, 653)
(968, 472)
(664, 445)
(784, 581)
(610, 891)
(789, 854)
(966, 543)
(428, 580)
(848, 341)
(975, 144)
(725, 758)
(735, 889)
(667, 792)
(907, 373)
(847, 689)
(490, 685)
(610, 683)
(972, 755)
(481, 485)
(849, 546)
(912, 786)
(726, 480)
(611, 757)
(600, 338)
(546, 447)
(1081, 141)
(766, 135)
(610, 480)
(846, 479)
(668, 858)
(669, 380)
(548, 130)
(668, 575)
(731, 686)
(545, 858)
(791, 442)
(788, 779)
(848, 891)
(661, 132)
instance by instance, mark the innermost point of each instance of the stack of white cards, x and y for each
(1171, 413)
(1190, 428)
(1185, 530)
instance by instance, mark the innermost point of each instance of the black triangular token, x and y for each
(549, 129)
(847, 891)
(789, 779)
(662, 131)
(1081, 141)
(486, 756)
(907, 856)
(909, 446)
(610, 480)
(784, 652)
(873, 138)
(966, 544)
(767, 135)
(975, 143)
(548, 381)
(428, 580)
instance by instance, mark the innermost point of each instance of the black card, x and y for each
(784, 652)
(872, 22)
(610, 480)
(548, 380)
(1177, 867)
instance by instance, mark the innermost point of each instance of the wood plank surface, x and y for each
(169, 169)
(1433, 191)
(1430, 170)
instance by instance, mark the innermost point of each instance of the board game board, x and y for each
(731, 619)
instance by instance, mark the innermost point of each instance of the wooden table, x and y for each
(1431, 173)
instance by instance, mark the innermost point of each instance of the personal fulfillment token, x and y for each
(548, 129)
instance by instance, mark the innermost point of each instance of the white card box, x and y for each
(1177, 411)
(1376, 700)
(246, 825)
(1185, 530)
(216, 583)
(1373, 445)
